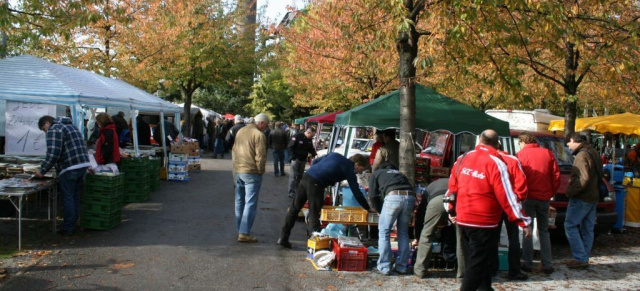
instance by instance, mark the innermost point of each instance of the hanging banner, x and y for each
(22, 135)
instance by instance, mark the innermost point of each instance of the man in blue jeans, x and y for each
(583, 193)
(393, 197)
(67, 152)
(249, 160)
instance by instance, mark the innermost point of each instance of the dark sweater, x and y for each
(334, 168)
(384, 180)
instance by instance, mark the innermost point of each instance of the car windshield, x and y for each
(360, 144)
(559, 149)
(437, 143)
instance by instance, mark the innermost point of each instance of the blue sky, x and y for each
(275, 9)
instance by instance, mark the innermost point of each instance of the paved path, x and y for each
(184, 238)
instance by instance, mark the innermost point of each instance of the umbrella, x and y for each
(625, 123)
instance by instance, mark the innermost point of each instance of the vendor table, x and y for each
(16, 198)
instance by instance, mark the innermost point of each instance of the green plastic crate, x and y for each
(100, 221)
(108, 207)
(135, 198)
(103, 182)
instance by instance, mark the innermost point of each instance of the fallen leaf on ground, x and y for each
(331, 287)
(302, 276)
(378, 283)
(122, 266)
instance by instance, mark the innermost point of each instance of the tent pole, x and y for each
(176, 122)
(164, 140)
(134, 125)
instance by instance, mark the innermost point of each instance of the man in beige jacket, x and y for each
(249, 160)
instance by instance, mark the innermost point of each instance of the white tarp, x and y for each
(29, 79)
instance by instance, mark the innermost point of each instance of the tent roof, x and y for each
(30, 79)
(324, 118)
(625, 123)
(434, 111)
(304, 119)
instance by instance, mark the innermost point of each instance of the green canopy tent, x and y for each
(434, 111)
(302, 120)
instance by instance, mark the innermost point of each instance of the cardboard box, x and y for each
(174, 157)
(193, 167)
(317, 244)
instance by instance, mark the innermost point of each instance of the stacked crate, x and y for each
(102, 201)
(137, 183)
(192, 150)
(156, 167)
(177, 168)
(422, 170)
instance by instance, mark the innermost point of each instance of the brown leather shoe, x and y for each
(247, 238)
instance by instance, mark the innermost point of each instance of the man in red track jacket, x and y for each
(480, 191)
(543, 179)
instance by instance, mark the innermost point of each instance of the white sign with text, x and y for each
(23, 137)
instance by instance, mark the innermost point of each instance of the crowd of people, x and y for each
(487, 187)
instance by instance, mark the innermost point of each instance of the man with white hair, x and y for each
(249, 160)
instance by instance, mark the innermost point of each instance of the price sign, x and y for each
(23, 137)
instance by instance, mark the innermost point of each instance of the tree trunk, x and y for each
(407, 46)
(186, 96)
(570, 89)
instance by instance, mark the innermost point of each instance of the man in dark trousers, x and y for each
(392, 195)
(144, 131)
(435, 218)
(324, 172)
(584, 193)
(278, 142)
(171, 132)
(300, 147)
(67, 153)
(479, 192)
(121, 125)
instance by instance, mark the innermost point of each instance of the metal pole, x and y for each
(134, 123)
(164, 140)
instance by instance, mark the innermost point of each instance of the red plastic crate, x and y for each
(350, 259)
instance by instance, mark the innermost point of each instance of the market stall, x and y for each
(30, 83)
(322, 120)
(303, 120)
(434, 112)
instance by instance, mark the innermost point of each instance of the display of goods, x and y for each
(175, 166)
(173, 157)
(194, 167)
(442, 172)
(188, 148)
(100, 221)
(350, 259)
(194, 160)
(344, 214)
(316, 243)
(178, 176)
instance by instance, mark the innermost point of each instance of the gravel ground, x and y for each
(183, 238)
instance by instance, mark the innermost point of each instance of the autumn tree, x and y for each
(582, 47)
(187, 45)
(339, 54)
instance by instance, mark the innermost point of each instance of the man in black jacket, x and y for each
(300, 146)
(393, 197)
(144, 131)
(231, 135)
(278, 142)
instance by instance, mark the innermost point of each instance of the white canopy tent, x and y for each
(30, 79)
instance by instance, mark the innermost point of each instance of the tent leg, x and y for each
(164, 140)
(134, 125)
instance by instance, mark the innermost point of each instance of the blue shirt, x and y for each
(334, 168)
(66, 149)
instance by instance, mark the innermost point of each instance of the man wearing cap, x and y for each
(249, 160)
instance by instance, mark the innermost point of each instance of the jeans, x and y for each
(395, 208)
(308, 190)
(578, 226)
(435, 217)
(247, 190)
(297, 170)
(480, 247)
(218, 148)
(513, 233)
(71, 185)
(540, 211)
(278, 159)
(286, 156)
